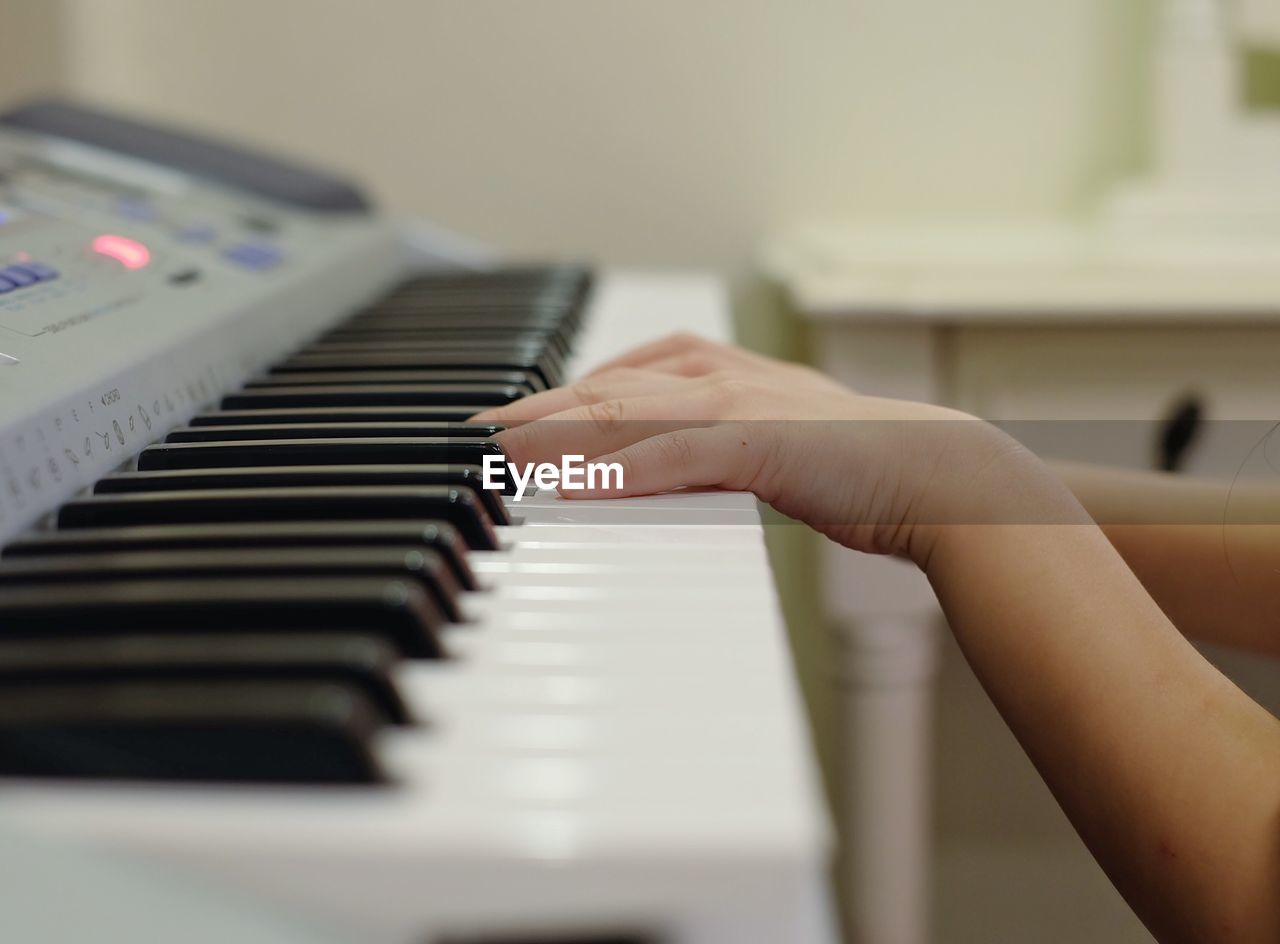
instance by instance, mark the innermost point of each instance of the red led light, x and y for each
(128, 252)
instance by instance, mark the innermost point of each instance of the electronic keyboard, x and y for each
(262, 624)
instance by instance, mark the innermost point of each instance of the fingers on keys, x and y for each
(624, 382)
(723, 456)
(606, 426)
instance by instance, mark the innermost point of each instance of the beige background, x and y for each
(647, 131)
(32, 48)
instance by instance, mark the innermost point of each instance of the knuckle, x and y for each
(627, 373)
(626, 460)
(676, 449)
(696, 364)
(686, 341)
(605, 416)
(586, 391)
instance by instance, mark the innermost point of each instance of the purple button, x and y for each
(134, 209)
(41, 271)
(258, 256)
(196, 233)
(18, 276)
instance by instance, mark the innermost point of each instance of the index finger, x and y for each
(624, 383)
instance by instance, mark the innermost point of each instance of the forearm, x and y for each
(1208, 554)
(1170, 774)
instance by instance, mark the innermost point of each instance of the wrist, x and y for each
(994, 482)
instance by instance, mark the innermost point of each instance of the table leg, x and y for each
(886, 668)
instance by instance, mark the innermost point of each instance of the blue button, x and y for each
(41, 271)
(6, 285)
(19, 276)
(196, 233)
(136, 209)
(257, 256)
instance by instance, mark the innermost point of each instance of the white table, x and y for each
(1032, 323)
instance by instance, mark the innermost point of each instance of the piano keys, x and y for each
(263, 473)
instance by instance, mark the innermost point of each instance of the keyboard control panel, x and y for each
(132, 293)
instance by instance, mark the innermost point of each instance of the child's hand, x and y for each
(1167, 771)
(878, 475)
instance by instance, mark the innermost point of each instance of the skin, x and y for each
(1208, 552)
(1169, 773)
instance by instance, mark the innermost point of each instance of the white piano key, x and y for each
(655, 593)
(742, 781)
(657, 558)
(605, 577)
(436, 693)
(617, 656)
(690, 499)
(541, 534)
(622, 513)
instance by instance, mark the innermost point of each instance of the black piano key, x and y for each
(251, 732)
(438, 536)
(342, 395)
(350, 374)
(331, 430)
(449, 330)
(460, 507)
(526, 272)
(396, 610)
(530, 292)
(355, 414)
(572, 275)
(425, 568)
(426, 338)
(527, 301)
(444, 345)
(448, 334)
(435, 298)
(364, 662)
(309, 476)
(347, 361)
(386, 338)
(558, 291)
(402, 317)
(526, 380)
(267, 452)
(528, 297)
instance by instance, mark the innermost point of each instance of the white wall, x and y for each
(1259, 21)
(652, 131)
